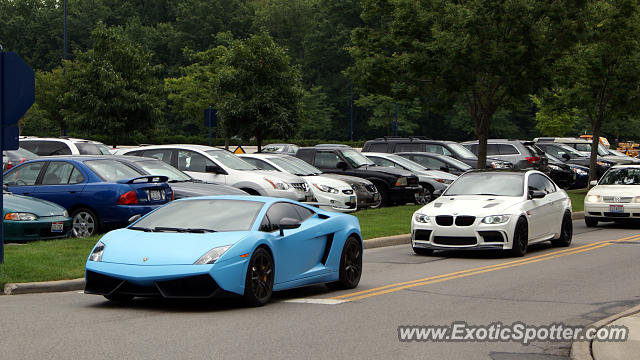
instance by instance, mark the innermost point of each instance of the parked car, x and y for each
(614, 196)
(11, 158)
(580, 177)
(288, 149)
(584, 147)
(63, 146)
(27, 218)
(220, 166)
(522, 154)
(98, 191)
(442, 147)
(205, 247)
(435, 161)
(181, 183)
(430, 180)
(572, 156)
(493, 209)
(326, 190)
(394, 185)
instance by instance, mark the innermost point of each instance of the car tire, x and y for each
(350, 265)
(385, 200)
(258, 285)
(422, 251)
(424, 196)
(566, 232)
(520, 238)
(85, 223)
(590, 222)
(120, 298)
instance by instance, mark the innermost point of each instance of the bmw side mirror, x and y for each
(341, 165)
(593, 182)
(288, 223)
(536, 194)
(134, 218)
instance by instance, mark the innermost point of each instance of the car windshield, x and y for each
(273, 148)
(553, 158)
(112, 170)
(621, 176)
(355, 158)
(158, 167)
(20, 154)
(230, 160)
(487, 183)
(290, 167)
(462, 151)
(615, 152)
(410, 165)
(570, 150)
(305, 166)
(204, 215)
(86, 148)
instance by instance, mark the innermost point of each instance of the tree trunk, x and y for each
(259, 143)
(226, 142)
(595, 140)
(482, 132)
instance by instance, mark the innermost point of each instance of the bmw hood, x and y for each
(474, 205)
(132, 247)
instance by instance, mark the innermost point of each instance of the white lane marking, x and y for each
(316, 301)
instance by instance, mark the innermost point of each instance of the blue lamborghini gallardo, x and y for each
(246, 245)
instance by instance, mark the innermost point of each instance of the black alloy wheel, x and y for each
(259, 282)
(566, 232)
(520, 238)
(350, 265)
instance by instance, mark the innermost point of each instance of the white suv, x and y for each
(217, 165)
(62, 146)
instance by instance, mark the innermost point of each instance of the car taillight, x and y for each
(533, 159)
(9, 165)
(172, 198)
(128, 198)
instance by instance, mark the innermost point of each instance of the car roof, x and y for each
(75, 140)
(175, 146)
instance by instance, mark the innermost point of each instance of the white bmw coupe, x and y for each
(494, 209)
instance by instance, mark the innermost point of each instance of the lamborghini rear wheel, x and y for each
(350, 265)
(258, 285)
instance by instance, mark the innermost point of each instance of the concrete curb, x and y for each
(581, 350)
(44, 286)
(387, 241)
(579, 215)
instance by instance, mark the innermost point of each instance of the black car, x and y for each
(182, 184)
(572, 156)
(434, 161)
(394, 185)
(561, 173)
(393, 144)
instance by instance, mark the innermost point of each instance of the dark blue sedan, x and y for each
(98, 192)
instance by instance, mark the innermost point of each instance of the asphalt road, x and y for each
(594, 278)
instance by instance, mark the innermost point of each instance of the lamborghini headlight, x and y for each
(20, 216)
(593, 198)
(326, 188)
(495, 219)
(422, 218)
(96, 254)
(212, 255)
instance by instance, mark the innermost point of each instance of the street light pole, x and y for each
(64, 52)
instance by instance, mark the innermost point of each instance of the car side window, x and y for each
(380, 147)
(537, 182)
(327, 160)
(46, 148)
(493, 149)
(24, 175)
(265, 225)
(279, 211)
(407, 147)
(160, 154)
(438, 149)
(507, 149)
(61, 173)
(192, 161)
(549, 187)
(382, 161)
(303, 212)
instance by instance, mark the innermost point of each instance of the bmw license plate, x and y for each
(155, 195)
(616, 208)
(57, 227)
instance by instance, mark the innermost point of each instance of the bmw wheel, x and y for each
(350, 265)
(566, 232)
(85, 223)
(258, 286)
(520, 238)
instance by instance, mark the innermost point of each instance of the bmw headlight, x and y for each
(20, 216)
(593, 198)
(422, 218)
(326, 188)
(277, 184)
(212, 255)
(96, 254)
(495, 219)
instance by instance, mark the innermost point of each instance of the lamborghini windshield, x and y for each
(201, 216)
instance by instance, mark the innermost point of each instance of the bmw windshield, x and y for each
(201, 216)
(487, 183)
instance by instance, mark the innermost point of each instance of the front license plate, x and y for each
(57, 227)
(155, 195)
(616, 208)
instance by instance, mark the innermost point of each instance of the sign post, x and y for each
(210, 119)
(17, 94)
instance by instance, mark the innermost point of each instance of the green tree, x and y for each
(554, 117)
(260, 92)
(481, 54)
(601, 73)
(316, 114)
(112, 87)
